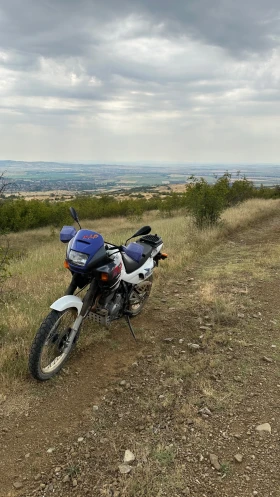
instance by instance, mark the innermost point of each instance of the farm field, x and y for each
(42, 177)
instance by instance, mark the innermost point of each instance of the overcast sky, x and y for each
(133, 80)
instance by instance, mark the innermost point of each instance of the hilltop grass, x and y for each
(38, 276)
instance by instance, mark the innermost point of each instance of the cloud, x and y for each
(67, 27)
(137, 70)
(239, 27)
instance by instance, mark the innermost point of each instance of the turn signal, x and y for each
(163, 255)
(104, 276)
(66, 264)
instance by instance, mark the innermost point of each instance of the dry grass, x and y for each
(38, 276)
(179, 369)
(248, 213)
(234, 219)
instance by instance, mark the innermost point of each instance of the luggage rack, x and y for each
(153, 240)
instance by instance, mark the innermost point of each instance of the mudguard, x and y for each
(66, 302)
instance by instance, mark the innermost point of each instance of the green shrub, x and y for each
(206, 202)
(240, 190)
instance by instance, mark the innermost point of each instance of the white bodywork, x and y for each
(142, 272)
(66, 302)
(134, 278)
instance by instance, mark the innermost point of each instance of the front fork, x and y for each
(73, 285)
(88, 301)
(89, 298)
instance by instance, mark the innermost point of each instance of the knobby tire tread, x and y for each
(150, 279)
(37, 345)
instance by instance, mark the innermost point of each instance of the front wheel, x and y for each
(50, 348)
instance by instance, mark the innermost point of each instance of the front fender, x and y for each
(66, 302)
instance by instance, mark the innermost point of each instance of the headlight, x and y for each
(77, 258)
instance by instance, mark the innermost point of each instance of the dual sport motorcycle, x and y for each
(117, 280)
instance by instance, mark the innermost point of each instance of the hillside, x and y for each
(185, 399)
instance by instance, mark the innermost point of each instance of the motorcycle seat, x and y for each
(131, 265)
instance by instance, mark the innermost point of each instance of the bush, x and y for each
(240, 190)
(206, 202)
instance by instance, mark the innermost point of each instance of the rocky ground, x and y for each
(191, 409)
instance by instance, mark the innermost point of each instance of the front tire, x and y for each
(49, 349)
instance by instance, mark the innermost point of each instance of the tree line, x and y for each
(19, 214)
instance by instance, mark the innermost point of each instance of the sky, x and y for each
(140, 80)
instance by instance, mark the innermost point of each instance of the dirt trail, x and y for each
(44, 413)
(175, 405)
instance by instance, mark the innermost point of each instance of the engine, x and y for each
(108, 309)
(114, 306)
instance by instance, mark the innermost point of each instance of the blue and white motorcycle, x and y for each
(117, 280)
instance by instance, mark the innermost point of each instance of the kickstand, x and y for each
(130, 327)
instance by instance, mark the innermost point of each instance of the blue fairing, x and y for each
(90, 243)
(87, 241)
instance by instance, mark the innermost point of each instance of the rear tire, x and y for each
(139, 295)
(49, 350)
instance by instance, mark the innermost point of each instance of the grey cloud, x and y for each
(138, 68)
(44, 28)
(63, 27)
(234, 25)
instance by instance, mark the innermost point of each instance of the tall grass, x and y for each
(38, 276)
(248, 213)
(234, 219)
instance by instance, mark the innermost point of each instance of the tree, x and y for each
(3, 183)
(241, 189)
(206, 202)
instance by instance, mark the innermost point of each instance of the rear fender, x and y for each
(66, 302)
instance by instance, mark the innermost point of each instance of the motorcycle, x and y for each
(116, 280)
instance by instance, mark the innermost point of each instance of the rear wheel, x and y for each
(50, 348)
(139, 296)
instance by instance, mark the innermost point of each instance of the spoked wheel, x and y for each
(139, 296)
(50, 347)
